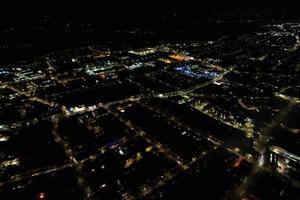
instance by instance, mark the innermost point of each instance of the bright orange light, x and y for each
(129, 162)
(180, 57)
(237, 162)
(42, 195)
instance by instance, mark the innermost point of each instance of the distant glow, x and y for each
(188, 71)
(103, 185)
(143, 52)
(237, 162)
(271, 157)
(121, 152)
(183, 133)
(181, 57)
(129, 162)
(261, 160)
(77, 109)
(217, 83)
(3, 138)
(167, 61)
(10, 162)
(148, 149)
(41, 195)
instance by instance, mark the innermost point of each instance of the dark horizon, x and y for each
(92, 7)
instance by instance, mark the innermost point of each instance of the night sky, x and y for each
(32, 7)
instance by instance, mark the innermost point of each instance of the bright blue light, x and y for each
(186, 70)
